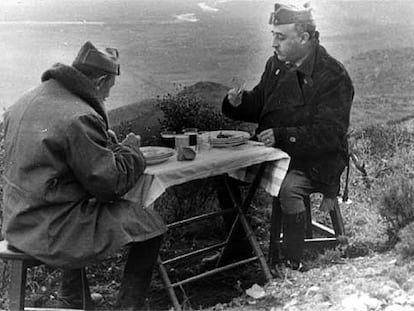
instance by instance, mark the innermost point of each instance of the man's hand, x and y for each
(267, 137)
(234, 97)
(132, 139)
(112, 137)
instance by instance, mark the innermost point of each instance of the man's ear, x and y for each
(304, 37)
(100, 81)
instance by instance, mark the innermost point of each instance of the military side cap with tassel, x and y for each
(291, 14)
(105, 60)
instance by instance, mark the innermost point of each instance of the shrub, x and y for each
(385, 140)
(405, 247)
(189, 111)
(397, 206)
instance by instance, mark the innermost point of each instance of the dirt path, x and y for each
(374, 282)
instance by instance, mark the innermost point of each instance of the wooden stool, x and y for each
(332, 236)
(19, 263)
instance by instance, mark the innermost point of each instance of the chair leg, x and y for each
(337, 222)
(308, 221)
(275, 231)
(17, 285)
(85, 290)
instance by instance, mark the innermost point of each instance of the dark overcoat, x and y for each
(308, 109)
(64, 177)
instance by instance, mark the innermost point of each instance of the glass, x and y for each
(181, 141)
(192, 135)
(168, 139)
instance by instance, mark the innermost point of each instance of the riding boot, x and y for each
(137, 274)
(293, 239)
(71, 295)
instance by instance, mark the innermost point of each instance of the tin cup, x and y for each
(168, 139)
(181, 140)
(192, 134)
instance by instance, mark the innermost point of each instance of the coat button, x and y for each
(292, 139)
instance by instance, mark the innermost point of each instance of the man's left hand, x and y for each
(267, 137)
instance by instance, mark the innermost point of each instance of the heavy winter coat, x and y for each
(308, 109)
(64, 178)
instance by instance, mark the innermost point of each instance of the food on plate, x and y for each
(223, 135)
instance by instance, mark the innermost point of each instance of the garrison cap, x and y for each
(291, 14)
(105, 60)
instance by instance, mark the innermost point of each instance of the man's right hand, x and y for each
(234, 96)
(132, 139)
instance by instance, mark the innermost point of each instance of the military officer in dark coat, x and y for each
(302, 106)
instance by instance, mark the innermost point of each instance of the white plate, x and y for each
(154, 153)
(234, 138)
(230, 133)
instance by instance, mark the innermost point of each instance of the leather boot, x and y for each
(137, 274)
(294, 239)
(71, 295)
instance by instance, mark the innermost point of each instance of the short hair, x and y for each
(310, 28)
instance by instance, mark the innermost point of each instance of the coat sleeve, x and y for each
(327, 128)
(252, 101)
(106, 172)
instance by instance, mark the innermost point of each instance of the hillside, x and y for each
(384, 86)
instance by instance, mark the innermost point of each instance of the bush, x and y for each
(405, 247)
(189, 111)
(385, 140)
(397, 206)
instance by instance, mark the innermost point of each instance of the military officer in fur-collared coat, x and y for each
(65, 175)
(301, 105)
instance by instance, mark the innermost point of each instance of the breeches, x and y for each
(294, 189)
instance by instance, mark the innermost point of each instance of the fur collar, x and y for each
(78, 84)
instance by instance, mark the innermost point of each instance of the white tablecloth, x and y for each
(239, 162)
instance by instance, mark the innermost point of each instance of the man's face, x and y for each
(288, 44)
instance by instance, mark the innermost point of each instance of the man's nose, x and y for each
(275, 43)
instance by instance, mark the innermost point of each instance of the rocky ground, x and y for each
(374, 282)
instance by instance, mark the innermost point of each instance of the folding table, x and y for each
(251, 162)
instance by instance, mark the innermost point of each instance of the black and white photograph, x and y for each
(216, 155)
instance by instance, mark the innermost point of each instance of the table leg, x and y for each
(168, 285)
(241, 218)
(275, 231)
